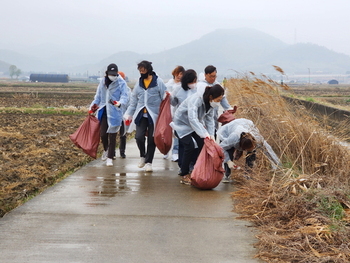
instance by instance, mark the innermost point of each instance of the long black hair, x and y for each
(213, 91)
(189, 76)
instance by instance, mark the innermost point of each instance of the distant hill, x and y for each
(230, 50)
(4, 67)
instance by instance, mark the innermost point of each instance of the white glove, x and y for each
(165, 94)
(127, 118)
(232, 165)
(116, 104)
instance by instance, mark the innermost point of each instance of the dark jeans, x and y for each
(190, 153)
(227, 169)
(108, 139)
(122, 139)
(145, 128)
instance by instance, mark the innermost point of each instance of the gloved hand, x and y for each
(116, 103)
(127, 119)
(93, 108)
(232, 165)
(165, 94)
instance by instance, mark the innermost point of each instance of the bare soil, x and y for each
(36, 151)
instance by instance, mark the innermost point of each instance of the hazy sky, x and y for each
(150, 26)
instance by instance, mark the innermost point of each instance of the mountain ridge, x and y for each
(230, 50)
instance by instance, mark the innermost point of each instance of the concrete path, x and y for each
(122, 214)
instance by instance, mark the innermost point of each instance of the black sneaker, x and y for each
(122, 155)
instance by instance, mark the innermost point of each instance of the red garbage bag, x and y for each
(227, 116)
(208, 171)
(87, 136)
(163, 135)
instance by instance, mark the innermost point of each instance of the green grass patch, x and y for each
(331, 208)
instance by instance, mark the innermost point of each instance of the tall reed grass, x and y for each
(302, 208)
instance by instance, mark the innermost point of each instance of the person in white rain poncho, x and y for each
(123, 128)
(146, 97)
(194, 121)
(111, 94)
(172, 85)
(209, 79)
(242, 135)
(186, 89)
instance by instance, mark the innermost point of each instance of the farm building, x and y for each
(49, 77)
(333, 81)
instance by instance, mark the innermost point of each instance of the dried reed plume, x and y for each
(302, 209)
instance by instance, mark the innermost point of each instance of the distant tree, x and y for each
(14, 71)
(18, 72)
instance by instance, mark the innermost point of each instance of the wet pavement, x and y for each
(123, 214)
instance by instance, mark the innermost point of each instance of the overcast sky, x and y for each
(150, 26)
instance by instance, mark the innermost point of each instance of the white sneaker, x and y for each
(148, 167)
(175, 157)
(165, 156)
(104, 155)
(109, 162)
(226, 179)
(142, 162)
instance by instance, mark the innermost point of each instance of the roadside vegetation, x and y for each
(302, 209)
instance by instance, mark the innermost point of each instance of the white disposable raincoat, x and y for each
(201, 85)
(192, 117)
(230, 133)
(149, 98)
(116, 91)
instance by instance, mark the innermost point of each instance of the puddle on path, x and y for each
(117, 184)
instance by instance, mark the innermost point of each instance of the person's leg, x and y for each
(175, 151)
(188, 150)
(227, 169)
(112, 138)
(103, 131)
(122, 141)
(181, 153)
(151, 146)
(140, 136)
(200, 143)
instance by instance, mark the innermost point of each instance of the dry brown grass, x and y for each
(302, 209)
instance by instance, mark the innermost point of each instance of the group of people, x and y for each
(195, 102)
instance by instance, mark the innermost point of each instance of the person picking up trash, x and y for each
(241, 135)
(193, 121)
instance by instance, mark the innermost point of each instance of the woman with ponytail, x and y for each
(193, 121)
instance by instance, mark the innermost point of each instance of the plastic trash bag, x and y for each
(227, 116)
(87, 136)
(208, 171)
(163, 134)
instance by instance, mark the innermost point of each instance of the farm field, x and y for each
(36, 151)
(331, 95)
